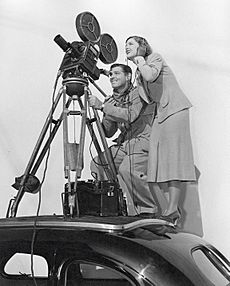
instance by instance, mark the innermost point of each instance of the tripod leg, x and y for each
(71, 194)
(102, 160)
(108, 154)
(21, 190)
(109, 168)
(65, 135)
(80, 163)
(49, 141)
(102, 135)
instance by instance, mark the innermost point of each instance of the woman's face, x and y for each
(131, 48)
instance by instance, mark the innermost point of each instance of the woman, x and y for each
(170, 151)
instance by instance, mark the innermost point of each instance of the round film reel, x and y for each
(108, 49)
(88, 27)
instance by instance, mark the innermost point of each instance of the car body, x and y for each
(94, 250)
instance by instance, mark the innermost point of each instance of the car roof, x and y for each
(122, 226)
(104, 224)
(154, 234)
(130, 240)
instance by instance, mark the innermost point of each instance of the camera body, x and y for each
(85, 60)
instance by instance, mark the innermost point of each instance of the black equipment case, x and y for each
(98, 198)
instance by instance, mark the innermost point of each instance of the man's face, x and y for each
(118, 78)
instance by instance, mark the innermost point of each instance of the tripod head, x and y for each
(75, 84)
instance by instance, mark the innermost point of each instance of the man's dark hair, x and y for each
(126, 69)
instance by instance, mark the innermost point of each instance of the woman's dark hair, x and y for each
(125, 68)
(143, 43)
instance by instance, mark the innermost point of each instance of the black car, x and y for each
(94, 250)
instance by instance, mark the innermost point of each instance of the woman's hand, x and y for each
(146, 71)
(139, 61)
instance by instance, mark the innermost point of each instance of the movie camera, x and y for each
(78, 67)
(82, 57)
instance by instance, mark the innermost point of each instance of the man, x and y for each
(125, 110)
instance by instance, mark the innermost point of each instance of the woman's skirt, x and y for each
(170, 150)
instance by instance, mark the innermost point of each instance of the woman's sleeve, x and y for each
(150, 68)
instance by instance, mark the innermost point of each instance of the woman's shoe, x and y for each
(172, 218)
(145, 215)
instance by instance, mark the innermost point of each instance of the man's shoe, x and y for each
(172, 218)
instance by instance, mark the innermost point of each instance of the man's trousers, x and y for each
(131, 161)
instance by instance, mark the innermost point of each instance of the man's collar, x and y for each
(124, 92)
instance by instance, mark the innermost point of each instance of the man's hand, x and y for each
(95, 102)
(105, 72)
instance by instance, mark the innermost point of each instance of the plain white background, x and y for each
(193, 37)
